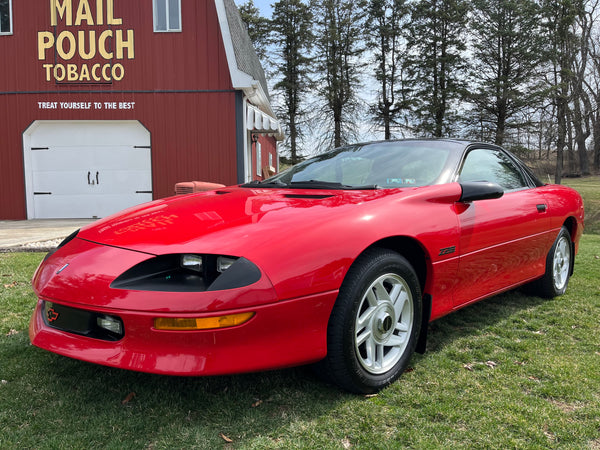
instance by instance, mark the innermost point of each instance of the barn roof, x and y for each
(245, 53)
(245, 68)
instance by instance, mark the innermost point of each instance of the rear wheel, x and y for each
(375, 323)
(558, 267)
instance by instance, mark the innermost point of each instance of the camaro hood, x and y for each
(284, 232)
(229, 220)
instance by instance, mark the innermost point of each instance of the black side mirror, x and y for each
(480, 190)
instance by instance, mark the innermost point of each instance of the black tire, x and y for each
(559, 265)
(371, 334)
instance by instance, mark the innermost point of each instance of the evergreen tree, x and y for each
(386, 21)
(508, 51)
(291, 27)
(258, 27)
(437, 41)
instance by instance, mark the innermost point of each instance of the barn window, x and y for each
(5, 16)
(167, 15)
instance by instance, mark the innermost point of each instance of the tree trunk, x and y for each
(580, 138)
(597, 143)
(561, 113)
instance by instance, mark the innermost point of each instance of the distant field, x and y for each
(589, 188)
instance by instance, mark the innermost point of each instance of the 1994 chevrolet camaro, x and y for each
(342, 260)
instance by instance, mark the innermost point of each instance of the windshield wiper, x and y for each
(307, 184)
(266, 184)
(317, 184)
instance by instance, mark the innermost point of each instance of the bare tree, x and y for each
(291, 28)
(338, 55)
(385, 38)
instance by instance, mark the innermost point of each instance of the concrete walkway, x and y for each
(38, 234)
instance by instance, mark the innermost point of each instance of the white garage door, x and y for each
(86, 169)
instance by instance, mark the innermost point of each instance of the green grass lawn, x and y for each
(589, 188)
(514, 371)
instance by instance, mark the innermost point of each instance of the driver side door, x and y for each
(502, 241)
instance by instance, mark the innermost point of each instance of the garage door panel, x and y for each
(58, 159)
(128, 157)
(71, 206)
(130, 180)
(65, 182)
(109, 182)
(92, 183)
(90, 158)
(52, 134)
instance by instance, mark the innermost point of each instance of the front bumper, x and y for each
(280, 334)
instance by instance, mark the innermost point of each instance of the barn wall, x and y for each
(176, 84)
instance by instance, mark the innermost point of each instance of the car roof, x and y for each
(464, 142)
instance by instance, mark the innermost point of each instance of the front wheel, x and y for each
(375, 323)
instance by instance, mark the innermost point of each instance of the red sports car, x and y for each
(342, 260)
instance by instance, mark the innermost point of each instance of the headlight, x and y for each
(192, 262)
(224, 263)
(189, 272)
(110, 323)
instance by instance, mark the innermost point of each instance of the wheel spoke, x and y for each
(372, 297)
(400, 303)
(402, 327)
(379, 356)
(364, 318)
(395, 341)
(381, 291)
(396, 291)
(363, 336)
(371, 349)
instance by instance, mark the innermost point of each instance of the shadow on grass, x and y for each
(472, 319)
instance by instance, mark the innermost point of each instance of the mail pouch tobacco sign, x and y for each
(86, 44)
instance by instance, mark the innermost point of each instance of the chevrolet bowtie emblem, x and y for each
(52, 315)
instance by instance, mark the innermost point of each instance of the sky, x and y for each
(263, 5)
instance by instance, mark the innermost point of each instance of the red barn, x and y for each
(105, 104)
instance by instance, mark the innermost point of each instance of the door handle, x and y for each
(97, 179)
(89, 173)
(541, 208)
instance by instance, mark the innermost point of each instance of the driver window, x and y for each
(492, 166)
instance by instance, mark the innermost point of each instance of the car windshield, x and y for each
(370, 166)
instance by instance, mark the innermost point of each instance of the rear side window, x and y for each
(5, 16)
(493, 166)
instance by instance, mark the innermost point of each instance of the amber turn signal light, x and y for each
(201, 323)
